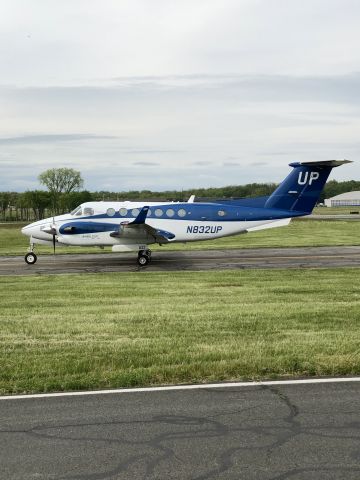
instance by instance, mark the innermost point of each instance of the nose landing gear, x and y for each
(144, 257)
(30, 258)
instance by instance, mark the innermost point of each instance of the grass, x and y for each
(298, 233)
(336, 210)
(76, 332)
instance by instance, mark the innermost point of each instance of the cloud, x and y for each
(201, 163)
(149, 151)
(231, 164)
(241, 119)
(51, 138)
(257, 164)
(146, 164)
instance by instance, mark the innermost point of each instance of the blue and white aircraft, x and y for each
(133, 226)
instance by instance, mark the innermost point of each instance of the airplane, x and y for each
(133, 226)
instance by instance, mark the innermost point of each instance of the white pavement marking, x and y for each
(184, 387)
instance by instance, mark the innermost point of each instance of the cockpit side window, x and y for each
(77, 212)
(88, 211)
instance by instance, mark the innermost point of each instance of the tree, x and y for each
(61, 180)
(5, 198)
(68, 201)
(39, 201)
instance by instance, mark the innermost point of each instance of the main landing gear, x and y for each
(144, 257)
(30, 258)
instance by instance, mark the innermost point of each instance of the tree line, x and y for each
(37, 204)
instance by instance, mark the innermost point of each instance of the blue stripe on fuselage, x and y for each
(206, 212)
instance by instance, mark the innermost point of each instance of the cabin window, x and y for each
(149, 212)
(158, 212)
(110, 212)
(135, 212)
(181, 212)
(123, 212)
(221, 213)
(170, 212)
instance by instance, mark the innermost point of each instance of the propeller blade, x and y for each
(53, 226)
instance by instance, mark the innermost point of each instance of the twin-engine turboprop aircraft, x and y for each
(127, 226)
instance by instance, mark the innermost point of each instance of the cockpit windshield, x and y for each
(87, 211)
(77, 212)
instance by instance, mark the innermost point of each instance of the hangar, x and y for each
(344, 200)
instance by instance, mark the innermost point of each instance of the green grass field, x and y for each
(335, 210)
(73, 332)
(298, 233)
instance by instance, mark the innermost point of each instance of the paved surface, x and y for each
(167, 260)
(295, 432)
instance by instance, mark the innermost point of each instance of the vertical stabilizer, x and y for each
(301, 189)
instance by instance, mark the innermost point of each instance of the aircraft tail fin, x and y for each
(301, 189)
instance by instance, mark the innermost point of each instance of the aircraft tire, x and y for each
(143, 260)
(30, 258)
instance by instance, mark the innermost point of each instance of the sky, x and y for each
(180, 94)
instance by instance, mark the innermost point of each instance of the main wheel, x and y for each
(143, 260)
(30, 258)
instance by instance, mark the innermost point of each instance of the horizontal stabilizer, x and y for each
(321, 163)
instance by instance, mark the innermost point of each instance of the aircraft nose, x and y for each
(26, 230)
(32, 229)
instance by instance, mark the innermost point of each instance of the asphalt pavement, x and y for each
(267, 432)
(196, 260)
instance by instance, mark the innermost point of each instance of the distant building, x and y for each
(349, 199)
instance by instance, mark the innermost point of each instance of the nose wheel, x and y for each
(144, 257)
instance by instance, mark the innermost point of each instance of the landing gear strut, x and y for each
(30, 258)
(144, 257)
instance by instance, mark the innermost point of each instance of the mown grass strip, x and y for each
(300, 233)
(118, 330)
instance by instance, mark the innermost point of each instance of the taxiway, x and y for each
(196, 260)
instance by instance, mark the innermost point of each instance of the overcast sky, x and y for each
(174, 94)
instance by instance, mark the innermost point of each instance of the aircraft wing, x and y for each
(140, 225)
(160, 236)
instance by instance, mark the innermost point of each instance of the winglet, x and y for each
(141, 217)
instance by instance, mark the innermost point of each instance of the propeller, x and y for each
(53, 227)
(51, 230)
